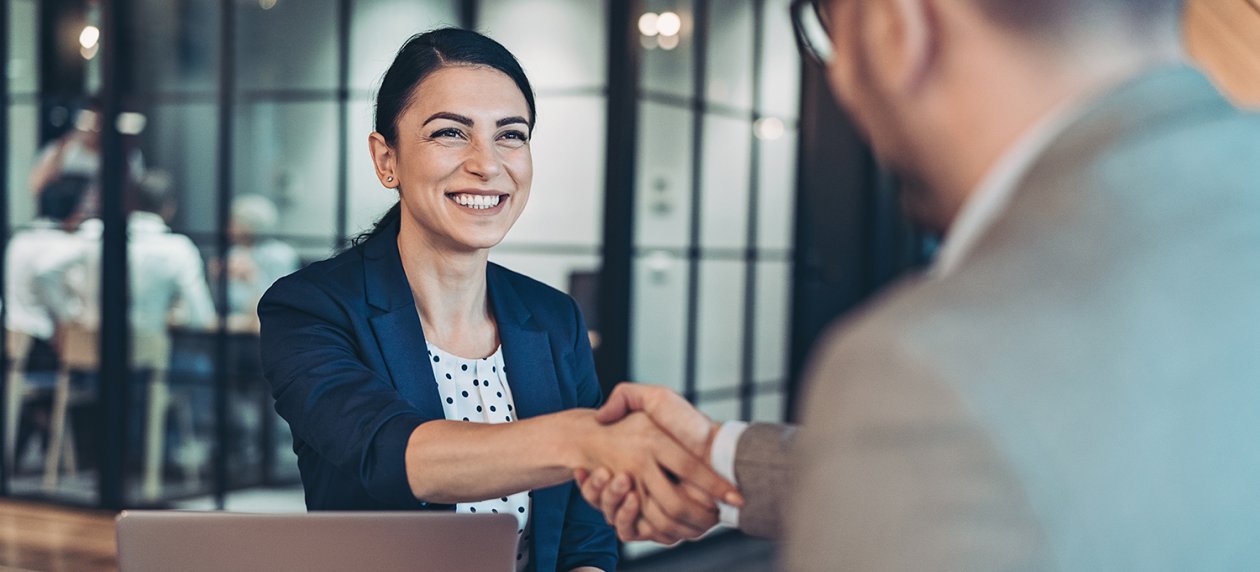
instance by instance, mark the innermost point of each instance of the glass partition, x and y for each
(53, 166)
(715, 178)
(245, 131)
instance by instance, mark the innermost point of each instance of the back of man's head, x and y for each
(152, 192)
(60, 199)
(1046, 19)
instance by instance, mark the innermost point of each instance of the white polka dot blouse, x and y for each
(477, 391)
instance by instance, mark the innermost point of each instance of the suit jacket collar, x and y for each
(1155, 100)
(1055, 187)
(527, 355)
(1128, 103)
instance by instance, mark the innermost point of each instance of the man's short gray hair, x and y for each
(1039, 17)
(256, 212)
(152, 193)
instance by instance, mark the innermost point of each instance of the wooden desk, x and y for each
(42, 537)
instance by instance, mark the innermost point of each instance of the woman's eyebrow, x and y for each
(510, 120)
(451, 116)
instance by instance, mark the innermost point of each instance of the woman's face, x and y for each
(462, 161)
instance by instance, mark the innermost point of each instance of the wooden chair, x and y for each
(149, 351)
(18, 390)
(79, 353)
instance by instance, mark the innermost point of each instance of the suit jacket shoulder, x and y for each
(1023, 412)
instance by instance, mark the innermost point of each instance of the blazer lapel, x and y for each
(397, 329)
(527, 357)
(531, 372)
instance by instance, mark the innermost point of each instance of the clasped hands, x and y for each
(669, 494)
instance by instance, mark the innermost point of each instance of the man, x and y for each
(47, 242)
(1073, 385)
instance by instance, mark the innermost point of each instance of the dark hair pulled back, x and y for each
(418, 58)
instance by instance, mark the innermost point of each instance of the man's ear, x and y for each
(384, 160)
(906, 32)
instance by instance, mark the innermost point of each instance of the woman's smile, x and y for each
(463, 170)
(480, 203)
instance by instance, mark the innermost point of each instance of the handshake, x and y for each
(653, 478)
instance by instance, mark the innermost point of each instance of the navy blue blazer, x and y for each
(345, 355)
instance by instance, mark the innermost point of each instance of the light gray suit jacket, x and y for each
(1082, 394)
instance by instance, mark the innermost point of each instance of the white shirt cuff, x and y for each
(722, 455)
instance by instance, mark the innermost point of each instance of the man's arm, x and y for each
(893, 470)
(756, 457)
(763, 475)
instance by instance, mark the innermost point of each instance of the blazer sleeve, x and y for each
(762, 466)
(894, 473)
(587, 540)
(351, 416)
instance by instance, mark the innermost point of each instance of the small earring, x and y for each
(389, 179)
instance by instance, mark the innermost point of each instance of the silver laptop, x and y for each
(413, 541)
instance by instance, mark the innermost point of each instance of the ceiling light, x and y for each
(768, 128)
(648, 24)
(89, 36)
(668, 24)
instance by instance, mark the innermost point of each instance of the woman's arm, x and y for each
(456, 461)
(472, 461)
(348, 414)
(355, 418)
(447, 456)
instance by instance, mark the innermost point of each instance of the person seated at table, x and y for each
(255, 261)
(30, 321)
(167, 281)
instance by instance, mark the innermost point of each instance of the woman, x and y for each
(415, 375)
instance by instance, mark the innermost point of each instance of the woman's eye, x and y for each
(515, 135)
(448, 132)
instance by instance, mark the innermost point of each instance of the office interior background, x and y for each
(695, 189)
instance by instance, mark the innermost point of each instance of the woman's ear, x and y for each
(384, 159)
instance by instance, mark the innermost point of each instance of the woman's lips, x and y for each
(480, 203)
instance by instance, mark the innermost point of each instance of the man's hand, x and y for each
(675, 491)
(632, 511)
(693, 429)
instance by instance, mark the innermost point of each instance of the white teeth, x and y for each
(478, 202)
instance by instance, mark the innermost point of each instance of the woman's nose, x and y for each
(483, 161)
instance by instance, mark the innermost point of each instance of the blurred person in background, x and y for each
(167, 281)
(167, 289)
(50, 240)
(78, 153)
(255, 260)
(1073, 385)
